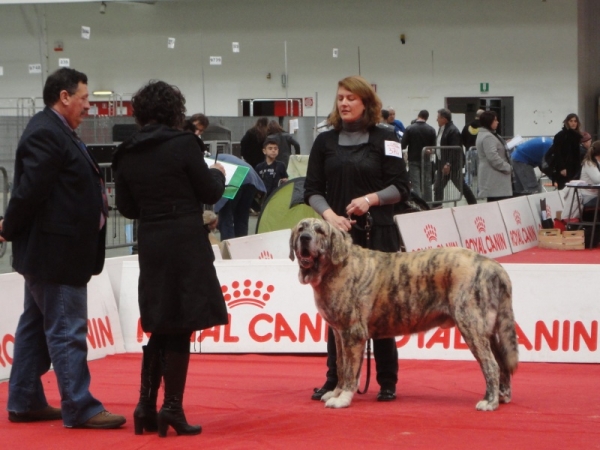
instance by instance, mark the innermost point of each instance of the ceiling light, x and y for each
(102, 93)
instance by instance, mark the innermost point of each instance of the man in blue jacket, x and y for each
(56, 220)
(525, 158)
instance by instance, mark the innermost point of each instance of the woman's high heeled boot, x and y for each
(144, 416)
(171, 413)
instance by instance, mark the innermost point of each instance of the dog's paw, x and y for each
(505, 395)
(341, 401)
(484, 405)
(327, 395)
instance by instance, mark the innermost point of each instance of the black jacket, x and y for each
(162, 180)
(53, 217)
(417, 136)
(450, 137)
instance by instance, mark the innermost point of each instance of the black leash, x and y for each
(367, 230)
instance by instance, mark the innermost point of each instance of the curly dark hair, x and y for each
(159, 102)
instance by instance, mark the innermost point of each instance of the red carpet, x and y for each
(263, 402)
(548, 256)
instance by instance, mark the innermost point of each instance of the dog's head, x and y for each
(317, 246)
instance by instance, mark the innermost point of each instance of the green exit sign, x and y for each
(484, 87)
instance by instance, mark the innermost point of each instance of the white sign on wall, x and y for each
(1, 71)
(35, 68)
(86, 32)
(235, 47)
(216, 60)
(171, 42)
(335, 52)
(64, 62)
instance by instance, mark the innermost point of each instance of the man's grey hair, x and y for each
(445, 113)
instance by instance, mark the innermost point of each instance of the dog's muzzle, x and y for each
(305, 257)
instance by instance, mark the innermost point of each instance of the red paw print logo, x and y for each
(430, 232)
(246, 294)
(480, 224)
(265, 255)
(517, 216)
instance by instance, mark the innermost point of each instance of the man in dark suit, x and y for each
(450, 162)
(56, 220)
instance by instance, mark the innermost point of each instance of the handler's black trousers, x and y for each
(386, 362)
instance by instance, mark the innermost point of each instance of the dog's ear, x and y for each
(340, 242)
(292, 241)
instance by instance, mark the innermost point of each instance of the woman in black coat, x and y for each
(567, 159)
(162, 180)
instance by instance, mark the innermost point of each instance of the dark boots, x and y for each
(144, 416)
(174, 375)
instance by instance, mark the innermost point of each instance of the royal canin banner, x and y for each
(482, 229)
(520, 224)
(271, 245)
(271, 312)
(428, 229)
(104, 325)
(554, 204)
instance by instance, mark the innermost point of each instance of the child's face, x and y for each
(271, 151)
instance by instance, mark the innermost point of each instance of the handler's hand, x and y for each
(218, 167)
(563, 172)
(339, 222)
(358, 206)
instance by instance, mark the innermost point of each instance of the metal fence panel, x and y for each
(442, 174)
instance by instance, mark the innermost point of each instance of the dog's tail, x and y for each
(505, 322)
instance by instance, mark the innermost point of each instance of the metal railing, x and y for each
(442, 178)
(120, 231)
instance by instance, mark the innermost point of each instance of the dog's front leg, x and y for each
(349, 361)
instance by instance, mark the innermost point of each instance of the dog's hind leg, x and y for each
(349, 364)
(479, 344)
(504, 388)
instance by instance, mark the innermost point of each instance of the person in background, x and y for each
(173, 248)
(252, 142)
(494, 169)
(567, 157)
(525, 158)
(469, 132)
(56, 220)
(385, 115)
(590, 173)
(447, 169)
(355, 175)
(417, 136)
(201, 123)
(271, 171)
(586, 143)
(284, 142)
(397, 124)
(234, 214)
(211, 222)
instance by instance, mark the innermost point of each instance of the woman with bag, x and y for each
(355, 176)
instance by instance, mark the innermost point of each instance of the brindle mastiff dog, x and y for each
(369, 294)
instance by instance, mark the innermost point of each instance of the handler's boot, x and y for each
(144, 416)
(385, 354)
(171, 413)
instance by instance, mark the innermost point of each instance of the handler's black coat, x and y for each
(162, 179)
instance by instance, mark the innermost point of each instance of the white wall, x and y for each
(522, 48)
